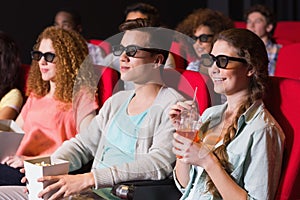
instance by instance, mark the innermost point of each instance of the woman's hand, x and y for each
(176, 109)
(66, 185)
(190, 152)
(14, 161)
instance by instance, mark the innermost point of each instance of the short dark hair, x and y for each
(76, 17)
(160, 38)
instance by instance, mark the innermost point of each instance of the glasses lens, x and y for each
(222, 61)
(49, 57)
(207, 60)
(203, 38)
(118, 50)
(131, 50)
(36, 55)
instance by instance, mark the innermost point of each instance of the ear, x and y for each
(251, 71)
(158, 60)
(269, 28)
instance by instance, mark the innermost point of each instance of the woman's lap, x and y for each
(10, 175)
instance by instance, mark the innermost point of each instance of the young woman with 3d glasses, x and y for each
(201, 26)
(240, 152)
(53, 111)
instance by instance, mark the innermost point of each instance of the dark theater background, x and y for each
(24, 20)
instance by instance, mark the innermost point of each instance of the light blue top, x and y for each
(119, 146)
(255, 154)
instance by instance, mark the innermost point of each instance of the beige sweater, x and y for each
(153, 151)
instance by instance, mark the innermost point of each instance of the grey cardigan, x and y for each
(154, 158)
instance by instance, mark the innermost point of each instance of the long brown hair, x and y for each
(10, 63)
(250, 47)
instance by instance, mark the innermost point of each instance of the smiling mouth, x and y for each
(219, 79)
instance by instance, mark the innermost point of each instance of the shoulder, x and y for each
(169, 94)
(13, 98)
(214, 110)
(13, 95)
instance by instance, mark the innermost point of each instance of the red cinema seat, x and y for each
(282, 100)
(24, 71)
(287, 64)
(186, 81)
(181, 55)
(106, 46)
(287, 32)
(108, 83)
(240, 24)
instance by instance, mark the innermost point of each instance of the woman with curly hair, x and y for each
(201, 26)
(61, 87)
(11, 99)
(240, 153)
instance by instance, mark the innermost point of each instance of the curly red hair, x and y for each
(71, 56)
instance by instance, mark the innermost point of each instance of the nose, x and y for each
(214, 68)
(123, 57)
(42, 61)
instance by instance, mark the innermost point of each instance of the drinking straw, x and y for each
(195, 93)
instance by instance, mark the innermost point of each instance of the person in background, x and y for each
(71, 20)
(143, 11)
(130, 137)
(235, 158)
(11, 98)
(202, 25)
(61, 99)
(261, 20)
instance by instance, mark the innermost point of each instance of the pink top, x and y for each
(47, 125)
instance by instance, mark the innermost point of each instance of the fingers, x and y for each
(181, 144)
(22, 170)
(56, 185)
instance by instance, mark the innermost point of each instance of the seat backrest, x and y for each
(287, 32)
(24, 71)
(282, 100)
(108, 82)
(287, 64)
(240, 24)
(181, 54)
(185, 82)
(106, 46)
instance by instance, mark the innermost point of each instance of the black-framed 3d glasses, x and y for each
(37, 55)
(208, 60)
(202, 37)
(130, 50)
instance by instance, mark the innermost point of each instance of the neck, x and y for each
(234, 101)
(149, 89)
(52, 88)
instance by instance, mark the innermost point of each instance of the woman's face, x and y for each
(235, 78)
(202, 47)
(47, 69)
(139, 67)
